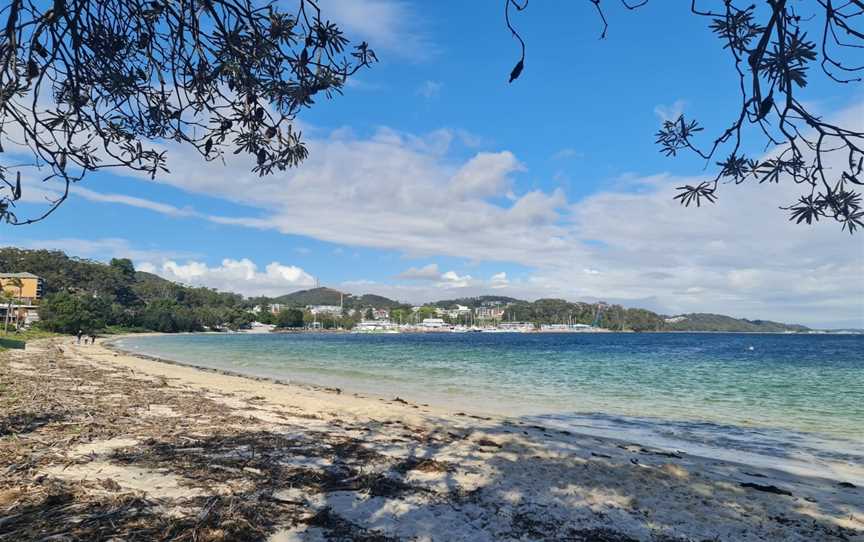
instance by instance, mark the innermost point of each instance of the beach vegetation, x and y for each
(290, 318)
(19, 337)
(88, 295)
(66, 312)
(169, 316)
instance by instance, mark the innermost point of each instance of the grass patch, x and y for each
(11, 344)
(17, 339)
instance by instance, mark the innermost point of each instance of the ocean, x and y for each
(794, 401)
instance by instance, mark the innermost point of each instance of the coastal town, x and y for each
(23, 291)
(487, 317)
(50, 291)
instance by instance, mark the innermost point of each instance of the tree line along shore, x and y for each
(79, 294)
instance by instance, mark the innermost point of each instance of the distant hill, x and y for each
(330, 296)
(720, 322)
(315, 296)
(377, 301)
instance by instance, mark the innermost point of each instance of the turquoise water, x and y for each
(791, 396)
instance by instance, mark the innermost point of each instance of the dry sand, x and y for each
(100, 445)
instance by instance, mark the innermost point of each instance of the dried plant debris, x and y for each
(231, 467)
(423, 465)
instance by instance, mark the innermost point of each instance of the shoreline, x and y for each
(408, 470)
(604, 331)
(289, 331)
(651, 435)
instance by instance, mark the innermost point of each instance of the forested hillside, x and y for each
(719, 322)
(88, 295)
(559, 311)
(329, 296)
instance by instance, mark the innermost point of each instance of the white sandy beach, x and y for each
(294, 462)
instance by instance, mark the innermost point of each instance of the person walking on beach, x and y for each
(79, 334)
(92, 338)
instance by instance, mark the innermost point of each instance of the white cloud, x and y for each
(241, 276)
(451, 279)
(427, 272)
(132, 201)
(487, 174)
(431, 273)
(670, 112)
(430, 89)
(99, 249)
(566, 153)
(537, 208)
(499, 280)
(390, 26)
(355, 83)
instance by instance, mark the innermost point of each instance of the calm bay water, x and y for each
(797, 397)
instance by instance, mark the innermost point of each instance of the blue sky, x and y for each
(432, 177)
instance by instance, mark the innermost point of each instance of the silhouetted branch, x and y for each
(92, 84)
(771, 54)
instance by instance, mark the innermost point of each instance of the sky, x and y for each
(432, 178)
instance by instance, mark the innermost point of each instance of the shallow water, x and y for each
(774, 397)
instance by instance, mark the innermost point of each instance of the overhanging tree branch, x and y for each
(772, 53)
(94, 84)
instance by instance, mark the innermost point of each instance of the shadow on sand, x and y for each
(393, 482)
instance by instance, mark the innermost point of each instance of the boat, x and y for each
(375, 326)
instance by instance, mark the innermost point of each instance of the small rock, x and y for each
(767, 488)
(847, 485)
(488, 443)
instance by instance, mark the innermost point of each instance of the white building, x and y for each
(335, 310)
(433, 323)
(489, 313)
(519, 327)
(375, 326)
(457, 311)
(274, 308)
